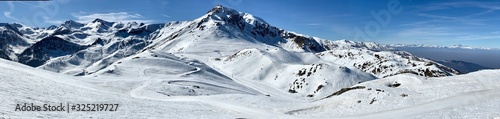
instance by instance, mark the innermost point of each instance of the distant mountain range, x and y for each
(439, 46)
(482, 56)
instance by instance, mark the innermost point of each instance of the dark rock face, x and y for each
(47, 48)
(9, 36)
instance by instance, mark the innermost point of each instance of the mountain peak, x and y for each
(69, 21)
(72, 24)
(222, 13)
(219, 8)
(98, 20)
(11, 27)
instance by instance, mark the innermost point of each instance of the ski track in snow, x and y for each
(197, 69)
(254, 113)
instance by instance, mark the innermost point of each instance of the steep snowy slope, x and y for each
(47, 48)
(12, 41)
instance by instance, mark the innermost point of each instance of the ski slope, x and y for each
(472, 95)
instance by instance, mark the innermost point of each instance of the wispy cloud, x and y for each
(9, 12)
(445, 34)
(460, 4)
(115, 16)
(478, 37)
(339, 16)
(496, 32)
(48, 19)
(428, 11)
(451, 19)
(164, 15)
(426, 32)
(313, 24)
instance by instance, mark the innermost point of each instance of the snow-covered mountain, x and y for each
(228, 64)
(382, 61)
(223, 44)
(12, 41)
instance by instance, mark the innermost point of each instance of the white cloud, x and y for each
(495, 32)
(164, 15)
(115, 17)
(478, 37)
(448, 19)
(485, 8)
(444, 34)
(460, 4)
(8, 13)
(425, 31)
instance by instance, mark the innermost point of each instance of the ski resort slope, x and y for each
(21, 84)
(472, 95)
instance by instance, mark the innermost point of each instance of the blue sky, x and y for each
(439, 22)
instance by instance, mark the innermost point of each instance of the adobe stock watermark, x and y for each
(382, 19)
(45, 10)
